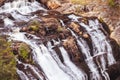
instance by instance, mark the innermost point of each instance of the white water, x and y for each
(32, 68)
(43, 58)
(89, 59)
(22, 75)
(78, 72)
(22, 6)
(61, 65)
(99, 40)
(100, 43)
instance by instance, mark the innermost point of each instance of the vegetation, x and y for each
(7, 61)
(34, 25)
(111, 3)
(24, 52)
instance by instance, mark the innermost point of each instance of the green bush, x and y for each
(7, 61)
(24, 50)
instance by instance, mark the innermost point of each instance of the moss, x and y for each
(24, 50)
(111, 3)
(24, 53)
(34, 25)
(7, 61)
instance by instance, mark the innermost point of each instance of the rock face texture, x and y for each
(1, 2)
(116, 35)
(106, 11)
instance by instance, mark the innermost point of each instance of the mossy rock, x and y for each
(34, 25)
(24, 52)
(7, 61)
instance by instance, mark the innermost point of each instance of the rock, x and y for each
(72, 49)
(42, 1)
(75, 27)
(53, 4)
(64, 7)
(85, 35)
(118, 78)
(116, 35)
(1, 2)
(114, 71)
(51, 25)
(23, 29)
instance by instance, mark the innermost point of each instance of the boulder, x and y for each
(116, 35)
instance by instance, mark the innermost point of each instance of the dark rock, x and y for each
(114, 71)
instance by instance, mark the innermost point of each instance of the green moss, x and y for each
(111, 3)
(34, 25)
(7, 61)
(24, 51)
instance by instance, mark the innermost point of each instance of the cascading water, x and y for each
(50, 66)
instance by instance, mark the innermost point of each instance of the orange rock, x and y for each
(53, 4)
(85, 35)
(75, 27)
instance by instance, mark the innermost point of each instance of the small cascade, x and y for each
(22, 6)
(61, 65)
(22, 75)
(29, 74)
(43, 58)
(89, 59)
(100, 40)
(79, 73)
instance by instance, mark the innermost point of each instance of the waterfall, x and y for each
(89, 59)
(48, 64)
(22, 6)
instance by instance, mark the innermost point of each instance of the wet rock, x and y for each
(72, 48)
(116, 35)
(75, 27)
(114, 71)
(85, 35)
(118, 78)
(1, 23)
(24, 29)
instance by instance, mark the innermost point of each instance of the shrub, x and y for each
(7, 61)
